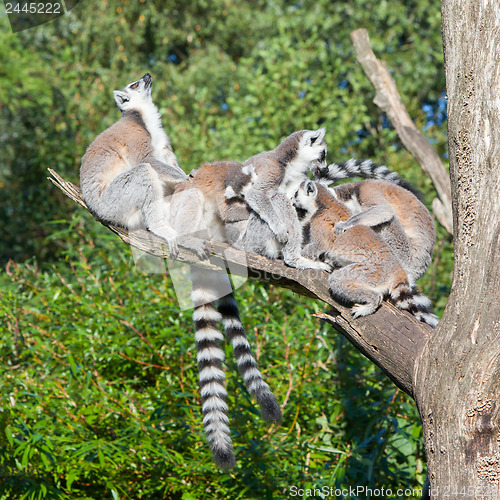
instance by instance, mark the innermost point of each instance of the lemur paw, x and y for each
(323, 266)
(304, 263)
(195, 245)
(281, 234)
(173, 247)
(364, 309)
(170, 236)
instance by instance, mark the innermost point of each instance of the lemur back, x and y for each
(397, 216)
(200, 205)
(388, 204)
(129, 168)
(369, 270)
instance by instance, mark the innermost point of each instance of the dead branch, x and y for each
(391, 338)
(388, 99)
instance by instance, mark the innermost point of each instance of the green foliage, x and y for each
(231, 79)
(100, 394)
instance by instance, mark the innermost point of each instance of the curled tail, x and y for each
(210, 357)
(366, 169)
(247, 365)
(412, 300)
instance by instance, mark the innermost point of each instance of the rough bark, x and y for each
(458, 372)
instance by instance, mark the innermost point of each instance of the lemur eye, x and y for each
(134, 85)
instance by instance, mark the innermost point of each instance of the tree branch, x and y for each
(391, 338)
(388, 99)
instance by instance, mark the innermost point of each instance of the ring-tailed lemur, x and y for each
(212, 202)
(273, 227)
(391, 206)
(369, 268)
(200, 204)
(129, 170)
(398, 218)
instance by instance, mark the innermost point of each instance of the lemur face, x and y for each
(313, 149)
(305, 197)
(135, 94)
(320, 172)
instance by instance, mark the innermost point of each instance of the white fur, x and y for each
(210, 353)
(429, 318)
(257, 385)
(214, 424)
(364, 309)
(208, 334)
(214, 403)
(307, 157)
(230, 193)
(201, 296)
(152, 120)
(245, 358)
(352, 205)
(240, 341)
(251, 373)
(421, 300)
(213, 389)
(231, 323)
(294, 175)
(206, 313)
(210, 373)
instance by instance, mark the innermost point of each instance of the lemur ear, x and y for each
(311, 189)
(120, 98)
(249, 169)
(317, 135)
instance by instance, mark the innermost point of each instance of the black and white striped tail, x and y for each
(247, 365)
(417, 304)
(366, 169)
(210, 357)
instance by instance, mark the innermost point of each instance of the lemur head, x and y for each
(135, 95)
(312, 149)
(304, 199)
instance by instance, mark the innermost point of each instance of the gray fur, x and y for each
(200, 208)
(259, 238)
(273, 227)
(397, 216)
(367, 268)
(208, 290)
(130, 168)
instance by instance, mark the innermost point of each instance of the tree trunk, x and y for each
(457, 377)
